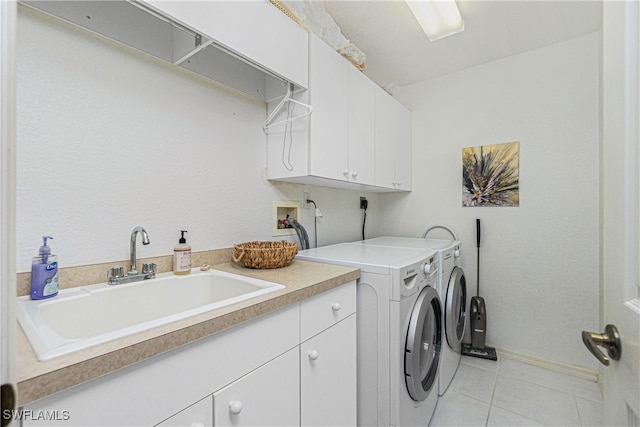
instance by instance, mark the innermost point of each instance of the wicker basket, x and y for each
(265, 254)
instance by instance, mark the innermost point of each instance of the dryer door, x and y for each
(455, 312)
(423, 344)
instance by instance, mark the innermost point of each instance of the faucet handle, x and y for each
(148, 267)
(117, 271)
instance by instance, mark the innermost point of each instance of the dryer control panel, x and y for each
(415, 277)
(429, 267)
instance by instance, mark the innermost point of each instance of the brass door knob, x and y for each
(610, 340)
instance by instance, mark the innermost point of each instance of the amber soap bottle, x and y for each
(182, 256)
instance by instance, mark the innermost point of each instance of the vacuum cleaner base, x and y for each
(487, 352)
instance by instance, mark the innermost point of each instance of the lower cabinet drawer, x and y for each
(326, 309)
(267, 396)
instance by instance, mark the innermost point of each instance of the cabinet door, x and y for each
(267, 396)
(392, 142)
(361, 128)
(329, 122)
(385, 171)
(403, 157)
(328, 376)
(200, 414)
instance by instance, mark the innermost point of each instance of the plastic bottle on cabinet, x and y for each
(182, 256)
(44, 273)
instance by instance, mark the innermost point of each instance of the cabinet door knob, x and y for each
(336, 306)
(235, 406)
(395, 183)
(354, 174)
(345, 172)
(313, 354)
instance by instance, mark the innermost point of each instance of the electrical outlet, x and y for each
(306, 196)
(363, 203)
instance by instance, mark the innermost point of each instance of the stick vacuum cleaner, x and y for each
(477, 348)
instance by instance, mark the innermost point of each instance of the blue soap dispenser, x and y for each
(44, 273)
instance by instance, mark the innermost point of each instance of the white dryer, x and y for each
(453, 295)
(399, 326)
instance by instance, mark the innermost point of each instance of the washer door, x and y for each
(455, 314)
(423, 344)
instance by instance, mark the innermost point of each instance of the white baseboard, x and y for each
(576, 371)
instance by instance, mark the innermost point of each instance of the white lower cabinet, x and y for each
(250, 374)
(197, 415)
(328, 376)
(267, 396)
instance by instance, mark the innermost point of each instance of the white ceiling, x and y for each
(398, 51)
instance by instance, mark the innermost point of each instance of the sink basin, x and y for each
(85, 316)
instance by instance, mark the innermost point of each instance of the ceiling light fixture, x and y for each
(438, 18)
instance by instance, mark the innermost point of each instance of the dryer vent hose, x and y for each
(444, 227)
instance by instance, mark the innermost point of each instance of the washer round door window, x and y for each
(423, 344)
(455, 307)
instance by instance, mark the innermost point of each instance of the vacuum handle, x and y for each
(478, 231)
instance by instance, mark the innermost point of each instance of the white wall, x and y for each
(539, 261)
(109, 138)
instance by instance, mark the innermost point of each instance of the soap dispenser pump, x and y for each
(182, 256)
(44, 273)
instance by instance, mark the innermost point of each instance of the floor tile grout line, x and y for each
(578, 411)
(499, 372)
(568, 394)
(524, 380)
(493, 392)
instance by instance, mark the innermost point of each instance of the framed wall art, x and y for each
(491, 175)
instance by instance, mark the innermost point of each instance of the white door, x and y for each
(620, 200)
(7, 205)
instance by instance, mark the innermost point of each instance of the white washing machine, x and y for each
(453, 294)
(399, 326)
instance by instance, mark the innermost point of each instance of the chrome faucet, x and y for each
(132, 247)
(116, 275)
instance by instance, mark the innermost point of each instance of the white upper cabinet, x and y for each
(361, 129)
(255, 30)
(336, 145)
(392, 143)
(329, 95)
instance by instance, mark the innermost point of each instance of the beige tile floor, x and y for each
(512, 393)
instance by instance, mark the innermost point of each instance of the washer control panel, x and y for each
(409, 280)
(429, 269)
